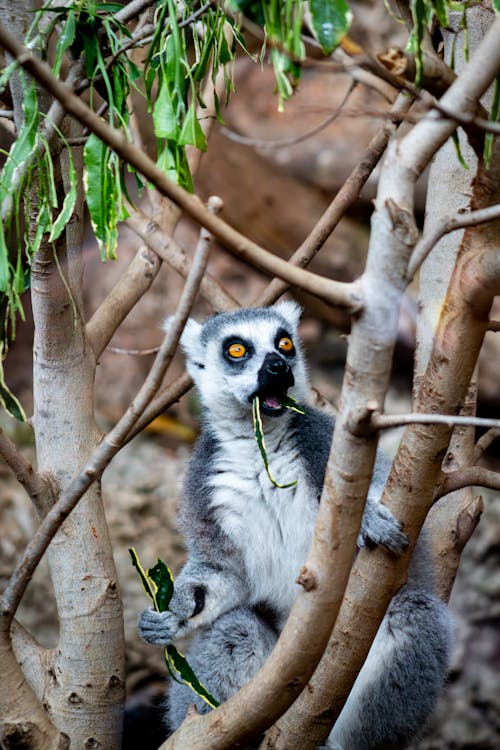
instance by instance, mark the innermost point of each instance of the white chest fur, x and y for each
(272, 527)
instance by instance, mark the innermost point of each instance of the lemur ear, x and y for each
(291, 311)
(190, 339)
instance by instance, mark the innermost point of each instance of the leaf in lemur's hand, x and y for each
(164, 581)
(158, 583)
(259, 437)
(180, 664)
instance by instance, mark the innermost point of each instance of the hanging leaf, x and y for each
(66, 39)
(100, 185)
(330, 21)
(68, 203)
(191, 132)
(165, 121)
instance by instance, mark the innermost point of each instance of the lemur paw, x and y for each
(159, 628)
(381, 527)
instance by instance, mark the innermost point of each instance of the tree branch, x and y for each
(485, 441)
(39, 488)
(170, 251)
(472, 476)
(449, 224)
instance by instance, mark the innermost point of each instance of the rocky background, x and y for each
(274, 193)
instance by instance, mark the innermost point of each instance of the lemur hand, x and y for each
(379, 526)
(162, 628)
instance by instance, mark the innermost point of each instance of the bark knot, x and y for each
(307, 579)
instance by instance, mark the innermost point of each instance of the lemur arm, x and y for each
(202, 593)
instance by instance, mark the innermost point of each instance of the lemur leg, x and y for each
(224, 657)
(401, 679)
(202, 592)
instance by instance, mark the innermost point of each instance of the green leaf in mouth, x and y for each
(259, 437)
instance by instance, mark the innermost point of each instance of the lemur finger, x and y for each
(159, 628)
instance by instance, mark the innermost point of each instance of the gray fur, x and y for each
(247, 540)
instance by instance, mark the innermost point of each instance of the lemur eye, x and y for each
(285, 344)
(236, 351)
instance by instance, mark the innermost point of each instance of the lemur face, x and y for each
(253, 352)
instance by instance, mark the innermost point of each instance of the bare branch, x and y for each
(485, 441)
(334, 292)
(38, 487)
(472, 476)
(494, 325)
(386, 421)
(170, 251)
(281, 143)
(449, 224)
(127, 291)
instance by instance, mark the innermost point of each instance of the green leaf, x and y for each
(259, 437)
(4, 262)
(496, 6)
(101, 193)
(180, 664)
(290, 403)
(330, 20)
(148, 588)
(68, 203)
(164, 115)
(7, 398)
(191, 132)
(66, 39)
(162, 577)
(493, 117)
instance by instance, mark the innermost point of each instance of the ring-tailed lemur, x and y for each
(247, 538)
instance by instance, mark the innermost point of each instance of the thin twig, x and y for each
(38, 489)
(485, 441)
(449, 224)
(386, 421)
(343, 200)
(292, 141)
(133, 352)
(111, 443)
(494, 325)
(472, 476)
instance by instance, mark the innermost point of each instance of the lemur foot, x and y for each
(381, 527)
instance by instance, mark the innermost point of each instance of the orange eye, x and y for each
(236, 351)
(285, 344)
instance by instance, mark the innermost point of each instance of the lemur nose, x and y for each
(275, 374)
(275, 365)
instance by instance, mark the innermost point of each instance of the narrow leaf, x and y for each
(259, 437)
(290, 403)
(180, 664)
